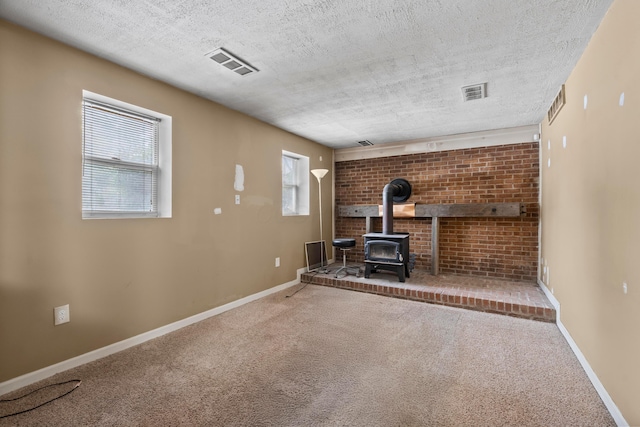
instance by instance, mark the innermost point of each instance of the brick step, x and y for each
(511, 298)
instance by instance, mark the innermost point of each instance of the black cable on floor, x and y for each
(315, 273)
(289, 296)
(42, 404)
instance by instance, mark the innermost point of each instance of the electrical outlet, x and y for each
(237, 199)
(61, 315)
(277, 261)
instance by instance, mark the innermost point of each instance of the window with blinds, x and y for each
(120, 162)
(295, 184)
(289, 185)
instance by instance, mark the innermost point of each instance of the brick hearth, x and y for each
(511, 298)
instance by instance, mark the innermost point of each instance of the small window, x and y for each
(295, 184)
(125, 171)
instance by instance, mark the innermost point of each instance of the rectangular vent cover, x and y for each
(557, 105)
(231, 62)
(473, 92)
(365, 143)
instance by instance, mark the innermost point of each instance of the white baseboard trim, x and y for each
(32, 377)
(552, 299)
(606, 399)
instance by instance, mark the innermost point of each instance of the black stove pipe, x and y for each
(398, 190)
(387, 208)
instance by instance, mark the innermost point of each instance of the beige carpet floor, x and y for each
(332, 357)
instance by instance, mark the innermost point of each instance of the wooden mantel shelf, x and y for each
(454, 210)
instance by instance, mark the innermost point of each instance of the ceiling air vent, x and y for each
(231, 62)
(365, 143)
(557, 105)
(470, 93)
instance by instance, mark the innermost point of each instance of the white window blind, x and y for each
(289, 185)
(120, 162)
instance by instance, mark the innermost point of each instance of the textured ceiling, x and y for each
(341, 71)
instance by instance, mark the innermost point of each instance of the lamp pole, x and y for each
(319, 174)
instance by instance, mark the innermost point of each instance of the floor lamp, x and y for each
(319, 174)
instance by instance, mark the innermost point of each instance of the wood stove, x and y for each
(389, 250)
(386, 252)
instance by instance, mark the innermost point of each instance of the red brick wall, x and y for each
(494, 247)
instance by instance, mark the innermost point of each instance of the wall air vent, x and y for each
(365, 143)
(557, 105)
(470, 93)
(231, 62)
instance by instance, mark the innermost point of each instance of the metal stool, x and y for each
(345, 245)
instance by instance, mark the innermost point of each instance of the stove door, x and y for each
(382, 250)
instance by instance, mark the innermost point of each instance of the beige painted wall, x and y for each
(128, 276)
(591, 206)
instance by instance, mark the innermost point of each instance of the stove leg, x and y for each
(401, 273)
